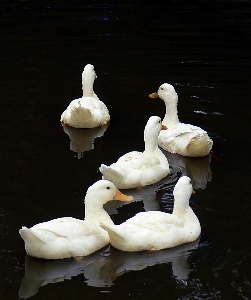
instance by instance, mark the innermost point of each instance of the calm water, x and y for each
(204, 51)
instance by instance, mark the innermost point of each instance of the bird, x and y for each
(137, 169)
(69, 237)
(180, 138)
(87, 111)
(156, 230)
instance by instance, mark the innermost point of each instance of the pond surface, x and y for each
(204, 51)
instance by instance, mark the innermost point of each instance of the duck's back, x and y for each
(63, 237)
(151, 231)
(86, 112)
(186, 140)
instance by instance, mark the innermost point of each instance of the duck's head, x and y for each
(153, 126)
(89, 73)
(167, 93)
(104, 191)
(183, 188)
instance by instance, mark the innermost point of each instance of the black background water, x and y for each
(203, 49)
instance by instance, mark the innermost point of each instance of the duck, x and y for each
(69, 237)
(136, 169)
(180, 138)
(157, 230)
(87, 111)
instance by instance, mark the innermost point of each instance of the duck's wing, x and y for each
(182, 130)
(64, 227)
(155, 220)
(185, 139)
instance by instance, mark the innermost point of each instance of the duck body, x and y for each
(87, 111)
(180, 138)
(135, 169)
(155, 230)
(63, 238)
(69, 237)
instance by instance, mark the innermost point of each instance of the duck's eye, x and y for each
(108, 188)
(162, 88)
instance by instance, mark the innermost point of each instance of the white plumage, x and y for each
(87, 111)
(70, 237)
(135, 169)
(156, 230)
(180, 138)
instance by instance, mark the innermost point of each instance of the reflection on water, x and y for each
(102, 267)
(82, 140)
(197, 168)
(39, 272)
(150, 195)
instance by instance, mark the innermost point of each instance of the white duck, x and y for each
(135, 169)
(180, 138)
(88, 111)
(70, 237)
(156, 230)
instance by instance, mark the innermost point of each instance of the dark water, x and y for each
(203, 49)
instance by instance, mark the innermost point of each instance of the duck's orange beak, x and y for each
(122, 197)
(154, 95)
(164, 127)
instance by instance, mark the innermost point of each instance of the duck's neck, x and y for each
(95, 213)
(151, 143)
(179, 210)
(87, 86)
(151, 146)
(184, 212)
(171, 116)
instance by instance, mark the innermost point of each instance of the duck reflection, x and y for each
(147, 194)
(197, 168)
(120, 262)
(40, 272)
(103, 267)
(83, 139)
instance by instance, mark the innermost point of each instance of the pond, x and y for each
(203, 49)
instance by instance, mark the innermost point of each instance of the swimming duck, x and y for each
(69, 237)
(88, 111)
(156, 230)
(136, 169)
(180, 138)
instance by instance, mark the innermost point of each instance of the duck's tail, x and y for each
(77, 116)
(115, 237)
(29, 236)
(199, 146)
(110, 174)
(82, 113)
